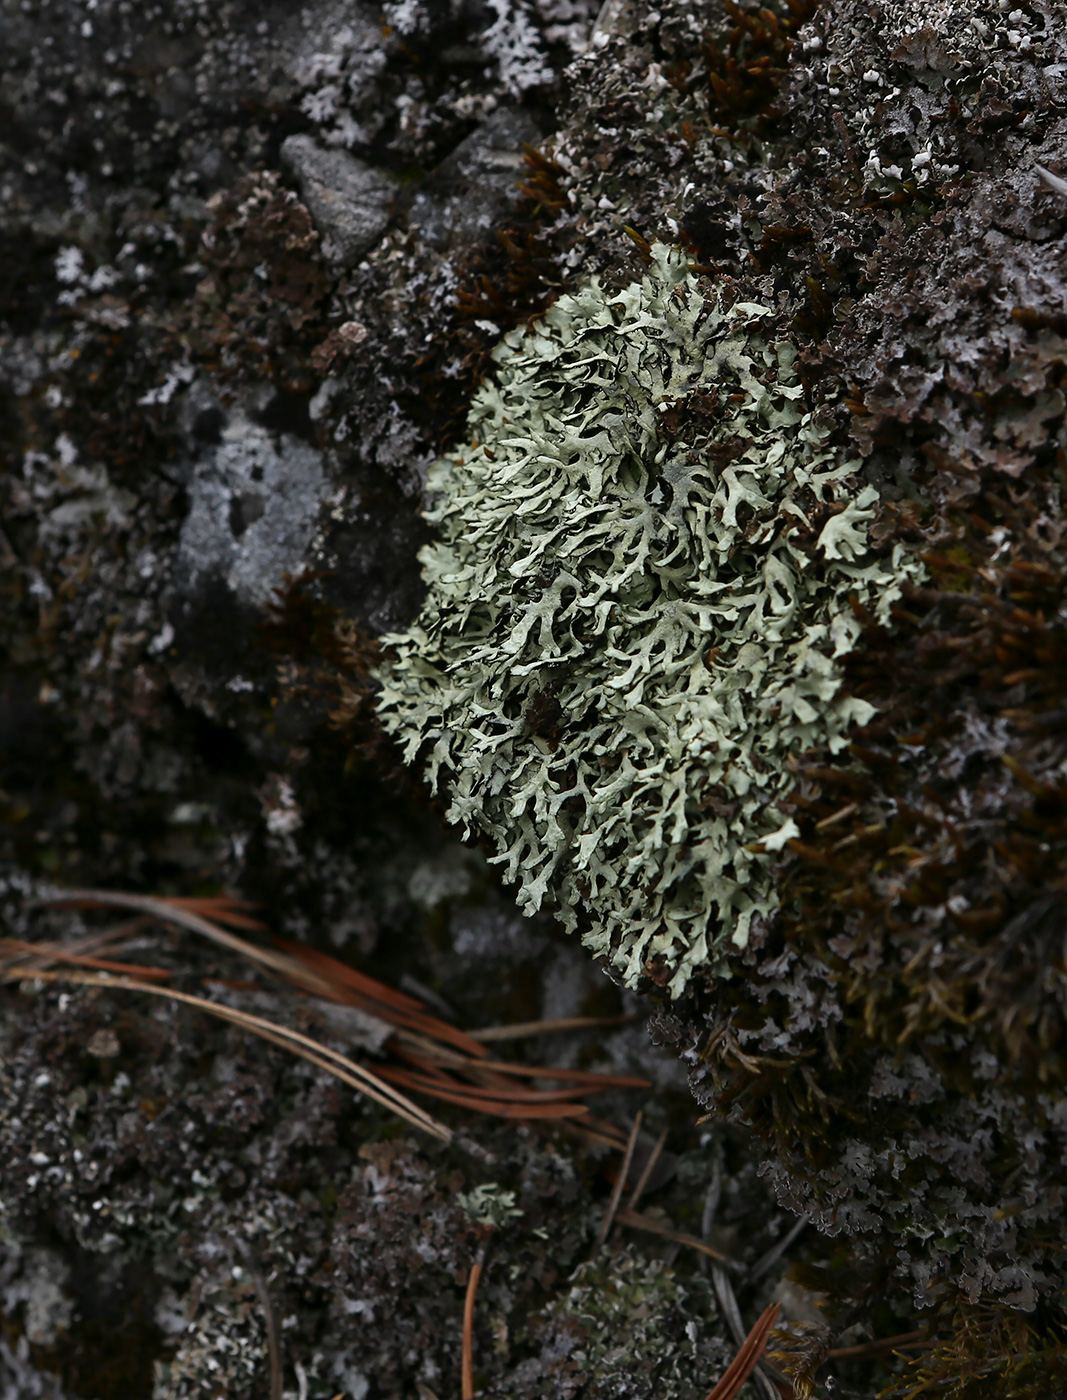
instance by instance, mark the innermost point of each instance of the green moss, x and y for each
(638, 601)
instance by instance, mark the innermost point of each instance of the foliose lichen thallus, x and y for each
(638, 600)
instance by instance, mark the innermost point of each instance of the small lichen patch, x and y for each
(643, 584)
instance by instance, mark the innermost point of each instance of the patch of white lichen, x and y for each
(644, 583)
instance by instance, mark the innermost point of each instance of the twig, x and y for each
(321, 1055)
(562, 1023)
(649, 1167)
(620, 1181)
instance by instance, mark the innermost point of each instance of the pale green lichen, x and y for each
(637, 607)
(490, 1205)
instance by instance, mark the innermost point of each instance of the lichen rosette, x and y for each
(643, 584)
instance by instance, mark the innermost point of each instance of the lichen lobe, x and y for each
(648, 561)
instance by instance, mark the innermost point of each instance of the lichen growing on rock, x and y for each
(625, 1327)
(649, 562)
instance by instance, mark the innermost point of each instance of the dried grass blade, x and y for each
(746, 1360)
(299, 1044)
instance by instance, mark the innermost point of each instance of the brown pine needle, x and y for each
(521, 1029)
(321, 1055)
(397, 1007)
(185, 918)
(746, 1360)
(467, 1362)
(620, 1181)
(591, 1078)
(92, 943)
(350, 977)
(595, 1132)
(447, 1063)
(909, 1340)
(515, 1094)
(498, 1108)
(433, 1054)
(223, 908)
(54, 952)
(649, 1168)
(634, 1220)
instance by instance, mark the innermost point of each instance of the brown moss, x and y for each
(746, 64)
(260, 309)
(502, 283)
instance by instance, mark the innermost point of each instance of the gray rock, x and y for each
(475, 188)
(348, 200)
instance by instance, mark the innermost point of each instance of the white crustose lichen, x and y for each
(641, 590)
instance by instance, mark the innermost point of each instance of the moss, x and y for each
(262, 305)
(649, 561)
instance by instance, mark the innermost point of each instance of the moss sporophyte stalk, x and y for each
(643, 583)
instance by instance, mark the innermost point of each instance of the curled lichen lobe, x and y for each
(647, 564)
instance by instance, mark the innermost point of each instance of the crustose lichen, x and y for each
(637, 606)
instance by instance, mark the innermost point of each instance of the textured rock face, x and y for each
(177, 715)
(347, 199)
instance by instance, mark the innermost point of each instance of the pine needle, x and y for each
(620, 1181)
(744, 1363)
(321, 1055)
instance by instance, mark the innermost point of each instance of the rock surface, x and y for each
(253, 263)
(347, 199)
